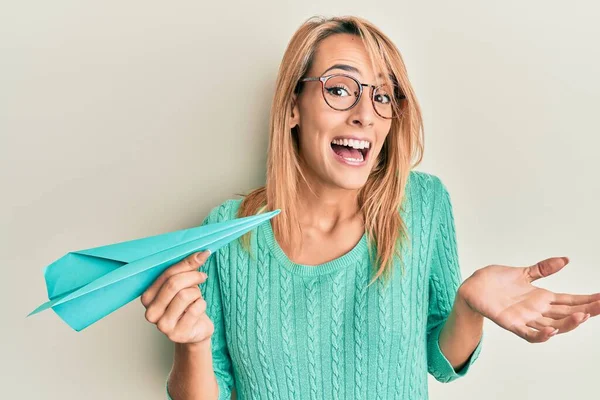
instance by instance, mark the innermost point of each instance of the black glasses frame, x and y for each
(325, 78)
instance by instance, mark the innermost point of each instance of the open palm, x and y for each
(506, 296)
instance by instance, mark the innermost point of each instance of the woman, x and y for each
(354, 290)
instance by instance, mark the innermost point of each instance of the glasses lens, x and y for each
(382, 98)
(341, 92)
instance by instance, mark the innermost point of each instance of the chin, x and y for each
(350, 184)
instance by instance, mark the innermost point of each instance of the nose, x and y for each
(363, 113)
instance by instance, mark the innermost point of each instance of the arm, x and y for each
(461, 333)
(454, 331)
(205, 371)
(192, 375)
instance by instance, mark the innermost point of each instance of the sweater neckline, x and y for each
(356, 253)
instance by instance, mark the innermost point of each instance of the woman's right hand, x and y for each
(175, 304)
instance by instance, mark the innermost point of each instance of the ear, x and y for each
(295, 112)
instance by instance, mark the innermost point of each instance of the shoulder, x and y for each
(425, 185)
(430, 192)
(225, 211)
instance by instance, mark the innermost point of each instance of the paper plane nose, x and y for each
(219, 234)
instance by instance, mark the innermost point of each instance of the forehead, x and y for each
(344, 49)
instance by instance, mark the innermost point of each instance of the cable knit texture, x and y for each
(291, 331)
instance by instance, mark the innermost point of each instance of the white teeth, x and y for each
(356, 144)
(361, 159)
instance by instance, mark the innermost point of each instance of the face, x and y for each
(328, 156)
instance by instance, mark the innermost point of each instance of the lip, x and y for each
(351, 163)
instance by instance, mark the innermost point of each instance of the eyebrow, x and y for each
(345, 67)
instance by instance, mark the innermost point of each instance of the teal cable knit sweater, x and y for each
(291, 331)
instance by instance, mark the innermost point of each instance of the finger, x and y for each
(176, 308)
(563, 325)
(546, 267)
(575, 299)
(534, 335)
(561, 311)
(194, 323)
(190, 263)
(167, 292)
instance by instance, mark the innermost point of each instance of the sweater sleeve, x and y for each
(211, 292)
(444, 281)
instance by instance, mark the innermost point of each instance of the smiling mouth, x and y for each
(351, 151)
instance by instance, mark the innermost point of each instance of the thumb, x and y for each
(198, 259)
(546, 267)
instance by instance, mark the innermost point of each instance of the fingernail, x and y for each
(586, 317)
(204, 275)
(554, 332)
(198, 257)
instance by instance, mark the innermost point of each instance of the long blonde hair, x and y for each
(381, 198)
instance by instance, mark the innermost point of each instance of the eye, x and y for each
(383, 98)
(337, 91)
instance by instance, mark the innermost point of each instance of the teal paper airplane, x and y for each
(87, 285)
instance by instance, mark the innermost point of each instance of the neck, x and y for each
(326, 208)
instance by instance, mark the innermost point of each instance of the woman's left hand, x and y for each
(506, 296)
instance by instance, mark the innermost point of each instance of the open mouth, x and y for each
(352, 151)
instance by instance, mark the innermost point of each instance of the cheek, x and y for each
(319, 119)
(318, 126)
(315, 114)
(380, 143)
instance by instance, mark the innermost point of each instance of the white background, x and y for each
(123, 119)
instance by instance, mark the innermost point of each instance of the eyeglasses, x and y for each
(342, 92)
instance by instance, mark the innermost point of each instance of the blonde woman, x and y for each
(354, 290)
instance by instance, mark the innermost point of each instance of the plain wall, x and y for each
(122, 119)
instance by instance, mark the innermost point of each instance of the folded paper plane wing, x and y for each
(85, 286)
